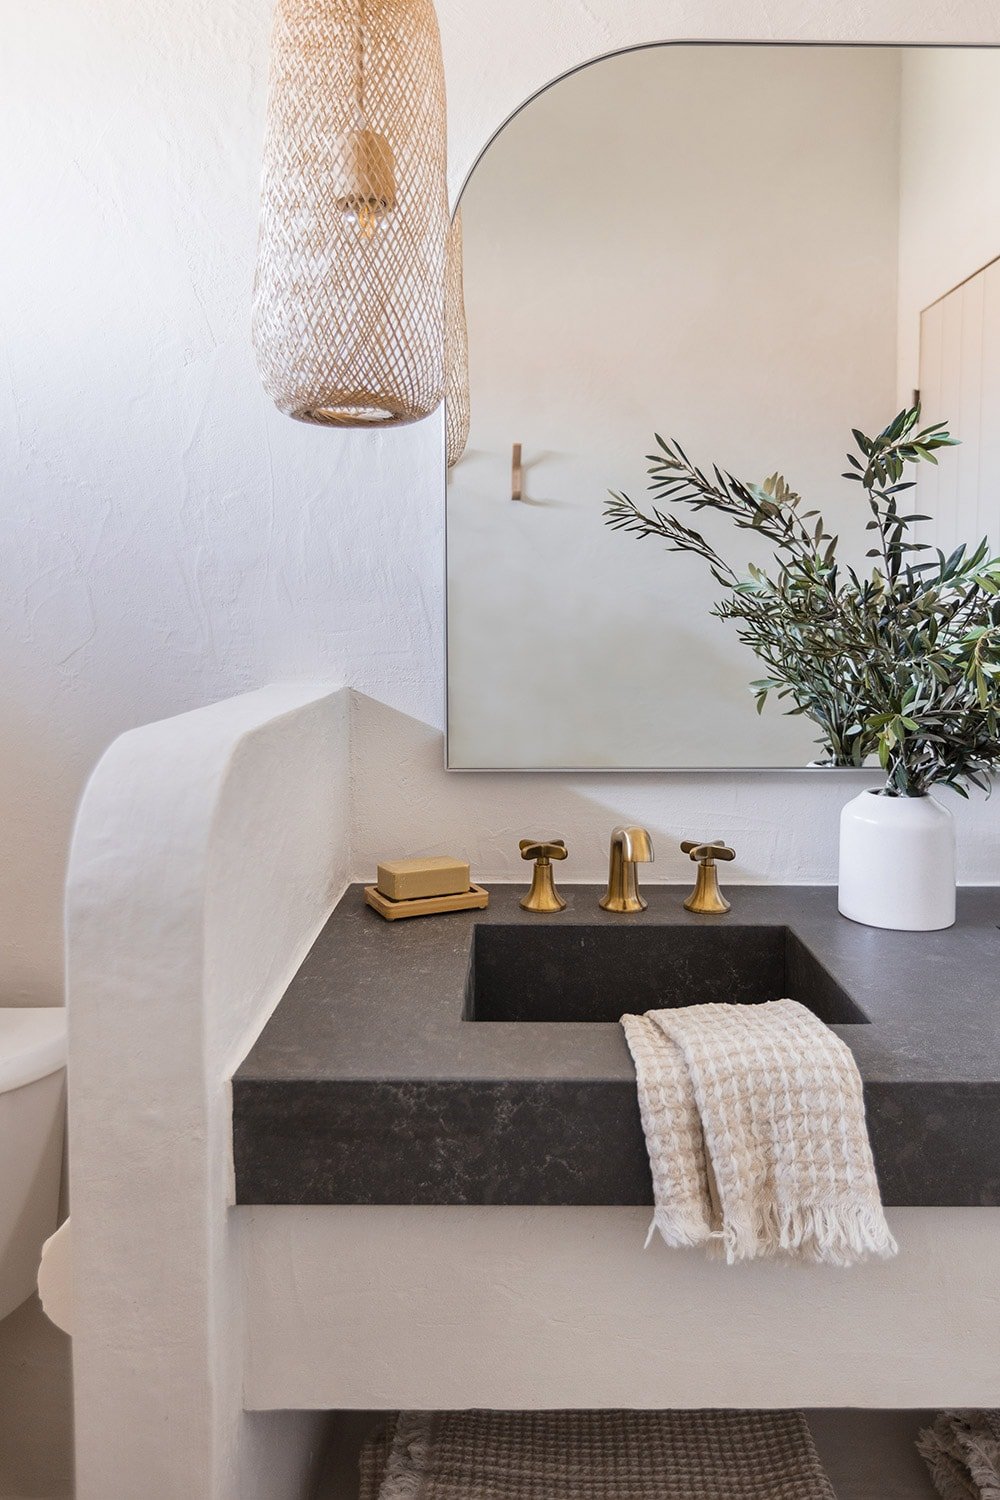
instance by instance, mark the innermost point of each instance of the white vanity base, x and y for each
(561, 1307)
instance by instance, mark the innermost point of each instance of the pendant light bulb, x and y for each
(364, 179)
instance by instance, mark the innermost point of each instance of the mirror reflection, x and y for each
(749, 251)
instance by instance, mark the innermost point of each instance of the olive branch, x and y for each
(903, 663)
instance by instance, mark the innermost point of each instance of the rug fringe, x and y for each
(409, 1458)
(962, 1452)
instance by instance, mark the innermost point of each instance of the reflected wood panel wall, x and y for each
(960, 382)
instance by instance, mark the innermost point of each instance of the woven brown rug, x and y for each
(593, 1455)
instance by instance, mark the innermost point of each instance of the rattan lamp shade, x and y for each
(348, 313)
(456, 349)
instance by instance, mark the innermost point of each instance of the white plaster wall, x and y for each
(168, 538)
(949, 211)
(664, 242)
(208, 851)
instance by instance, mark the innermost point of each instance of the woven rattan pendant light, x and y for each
(348, 315)
(456, 349)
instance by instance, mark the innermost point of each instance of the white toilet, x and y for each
(32, 1122)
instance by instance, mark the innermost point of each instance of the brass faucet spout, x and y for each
(629, 847)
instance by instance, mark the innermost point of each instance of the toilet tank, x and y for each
(32, 1122)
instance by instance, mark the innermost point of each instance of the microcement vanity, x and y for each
(476, 1058)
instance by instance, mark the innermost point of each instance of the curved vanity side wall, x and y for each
(208, 850)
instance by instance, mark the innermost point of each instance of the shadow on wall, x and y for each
(38, 795)
(36, 1407)
(784, 828)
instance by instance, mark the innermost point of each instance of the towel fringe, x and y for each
(841, 1234)
(409, 1457)
(679, 1228)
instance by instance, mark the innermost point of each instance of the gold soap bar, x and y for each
(413, 879)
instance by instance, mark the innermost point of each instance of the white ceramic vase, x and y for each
(897, 862)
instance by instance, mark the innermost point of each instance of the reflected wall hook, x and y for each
(516, 476)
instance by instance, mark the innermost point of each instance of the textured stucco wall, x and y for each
(169, 539)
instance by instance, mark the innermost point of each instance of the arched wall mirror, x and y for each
(751, 250)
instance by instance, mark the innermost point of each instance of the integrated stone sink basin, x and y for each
(595, 973)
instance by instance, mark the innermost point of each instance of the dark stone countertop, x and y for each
(368, 1085)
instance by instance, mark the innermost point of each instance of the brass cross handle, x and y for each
(543, 895)
(706, 896)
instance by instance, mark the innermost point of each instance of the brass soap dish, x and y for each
(475, 898)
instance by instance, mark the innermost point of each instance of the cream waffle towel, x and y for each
(962, 1450)
(755, 1126)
